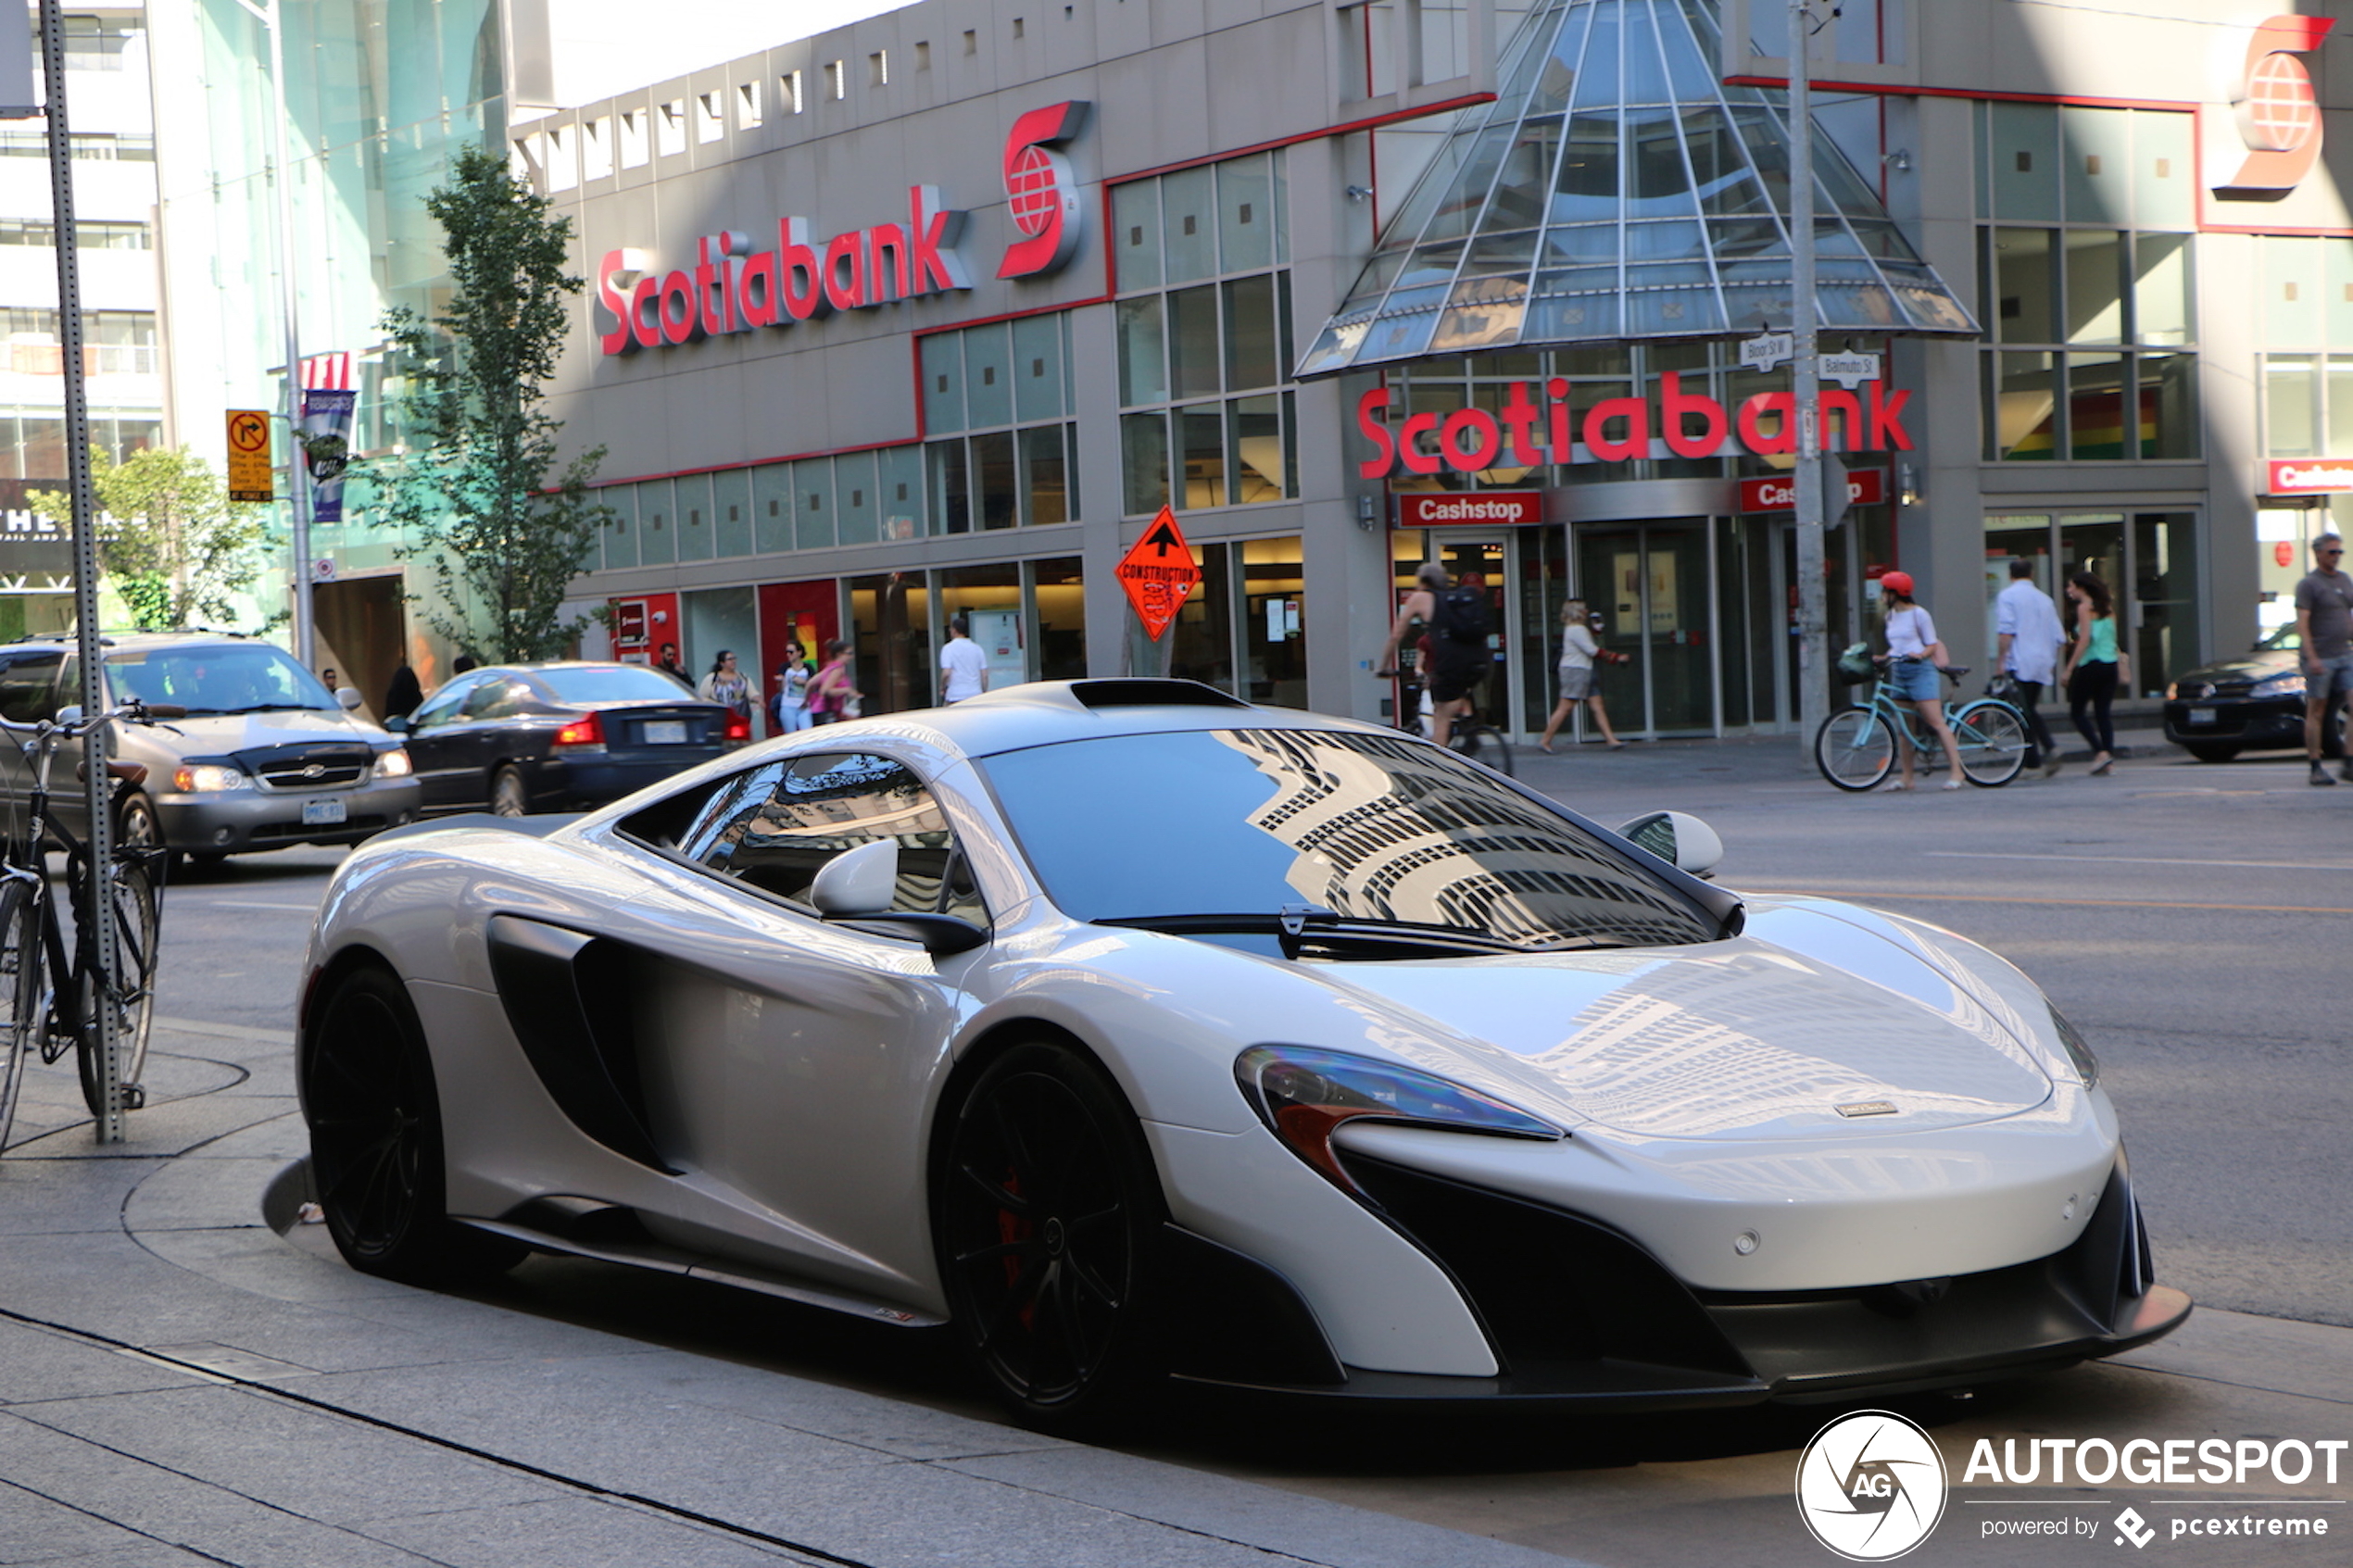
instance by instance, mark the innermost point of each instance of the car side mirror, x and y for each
(860, 882)
(70, 715)
(348, 698)
(1679, 838)
(398, 724)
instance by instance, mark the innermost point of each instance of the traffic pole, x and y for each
(1813, 613)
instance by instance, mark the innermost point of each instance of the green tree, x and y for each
(177, 547)
(502, 538)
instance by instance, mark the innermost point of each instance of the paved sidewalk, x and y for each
(180, 1384)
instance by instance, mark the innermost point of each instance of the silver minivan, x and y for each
(266, 756)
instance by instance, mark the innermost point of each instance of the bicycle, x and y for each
(1470, 737)
(1855, 750)
(50, 995)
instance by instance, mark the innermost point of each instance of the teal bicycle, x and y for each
(1857, 749)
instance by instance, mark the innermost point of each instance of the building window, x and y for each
(1204, 337)
(2085, 281)
(1003, 451)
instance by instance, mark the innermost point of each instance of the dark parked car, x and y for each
(2252, 702)
(518, 738)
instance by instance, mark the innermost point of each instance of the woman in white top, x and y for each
(1578, 651)
(1915, 670)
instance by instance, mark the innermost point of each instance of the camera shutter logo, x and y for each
(1870, 1486)
(1042, 193)
(2279, 116)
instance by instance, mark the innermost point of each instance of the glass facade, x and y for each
(999, 396)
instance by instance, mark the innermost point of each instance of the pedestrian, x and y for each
(727, 687)
(1916, 668)
(1459, 617)
(405, 692)
(832, 694)
(964, 668)
(2324, 633)
(789, 704)
(2097, 666)
(2027, 626)
(328, 675)
(1578, 681)
(669, 665)
(464, 662)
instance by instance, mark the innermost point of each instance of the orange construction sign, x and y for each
(1159, 573)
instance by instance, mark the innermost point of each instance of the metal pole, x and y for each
(298, 469)
(1812, 652)
(98, 787)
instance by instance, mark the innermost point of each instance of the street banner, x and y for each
(250, 475)
(326, 448)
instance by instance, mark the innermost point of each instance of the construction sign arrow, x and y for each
(1159, 573)
(250, 475)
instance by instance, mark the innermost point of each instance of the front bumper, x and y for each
(2252, 722)
(238, 821)
(1580, 1315)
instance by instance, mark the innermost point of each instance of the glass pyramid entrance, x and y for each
(1616, 189)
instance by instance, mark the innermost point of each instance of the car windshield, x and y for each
(2285, 640)
(215, 678)
(1174, 829)
(611, 683)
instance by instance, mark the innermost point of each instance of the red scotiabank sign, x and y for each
(1494, 509)
(2309, 476)
(738, 285)
(1778, 493)
(1533, 427)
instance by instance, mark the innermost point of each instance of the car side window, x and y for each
(443, 705)
(28, 684)
(774, 826)
(495, 699)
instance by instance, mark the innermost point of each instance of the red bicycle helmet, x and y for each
(1897, 583)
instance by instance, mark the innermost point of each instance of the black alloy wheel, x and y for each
(509, 797)
(1046, 1213)
(135, 825)
(375, 1139)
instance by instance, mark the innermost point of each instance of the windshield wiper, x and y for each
(1296, 926)
(257, 707)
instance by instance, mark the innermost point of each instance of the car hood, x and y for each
(219, 734)
(1763, 1036)
(2247, 667)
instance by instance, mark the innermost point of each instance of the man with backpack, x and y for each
(1459, 619)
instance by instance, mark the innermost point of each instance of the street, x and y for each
(2180, 913)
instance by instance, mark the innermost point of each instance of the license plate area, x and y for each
(665, 731)
(322, 813)
(2201, 716)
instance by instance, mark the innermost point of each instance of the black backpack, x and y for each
(1463, 617)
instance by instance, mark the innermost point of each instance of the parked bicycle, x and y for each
(1470, 736)
(51, 994)
(1855, 750)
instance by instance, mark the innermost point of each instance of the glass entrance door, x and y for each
(1482, 560)
(1653, 584)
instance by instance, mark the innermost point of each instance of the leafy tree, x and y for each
(177, 547)
(502, 540)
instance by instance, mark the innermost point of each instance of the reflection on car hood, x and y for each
(2247, 667)
(1763, 1036)
(202, 736)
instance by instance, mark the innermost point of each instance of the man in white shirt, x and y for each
(964, 668)
(2027, 626)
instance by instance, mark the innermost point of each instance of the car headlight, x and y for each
(394, 764)
(2173, 690)
(2088, 1066)
(2278, 686)
(1303, 1095)
(202, 778)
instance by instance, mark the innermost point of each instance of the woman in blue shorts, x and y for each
(1916, 663)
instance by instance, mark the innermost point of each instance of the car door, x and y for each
(435, 742)
(787, 1059)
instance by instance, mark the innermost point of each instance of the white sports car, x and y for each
(1139, 1032)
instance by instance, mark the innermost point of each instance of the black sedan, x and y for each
(2252, 702)
(518, 738)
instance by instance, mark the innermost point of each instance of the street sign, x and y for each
(1768, 349)
(250, 475)
(1850, 370)
(1159, 573)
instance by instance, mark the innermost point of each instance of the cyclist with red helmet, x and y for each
(1916, 666)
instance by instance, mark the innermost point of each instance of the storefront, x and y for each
(928, 318)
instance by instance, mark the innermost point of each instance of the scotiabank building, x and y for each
(932, 315)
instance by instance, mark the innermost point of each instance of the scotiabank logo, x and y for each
(1534, 427)
(1042, 193)
(736, 288)
(2279, 115)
